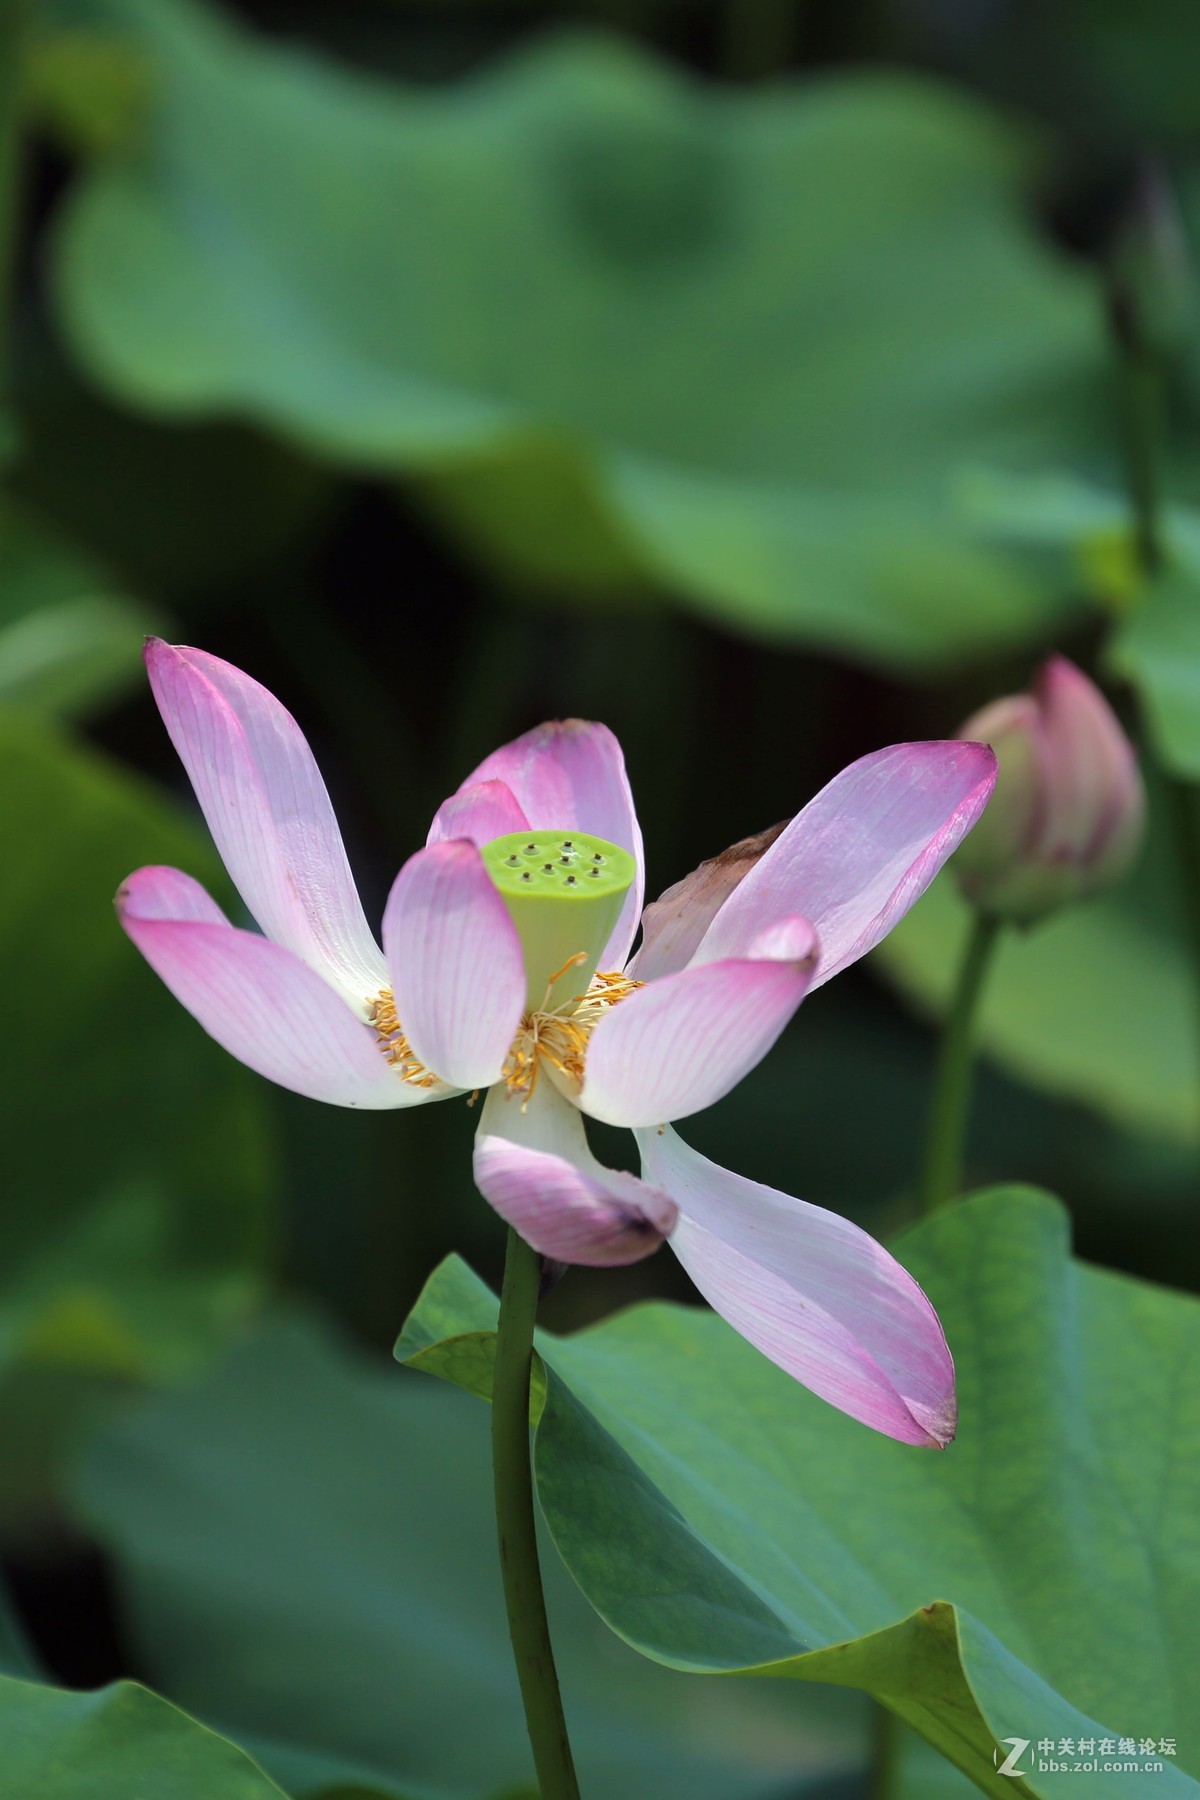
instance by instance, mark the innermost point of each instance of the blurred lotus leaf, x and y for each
(307, 1556)
(86, 88)
(622, 329)
(119, 1741)
(1157, 642)
(69, 640)
(108, 1268)
(1035, 1579)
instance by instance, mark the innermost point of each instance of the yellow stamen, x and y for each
(572, 962)
(395, 1046)
(549, 1036)
(555, 1035)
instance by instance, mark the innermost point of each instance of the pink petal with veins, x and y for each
(678, 1044)
(861, 853)
(484, 811)
(811, 1291)
(269, 813)
(536, 1169)
(458, 973)
(257, 999)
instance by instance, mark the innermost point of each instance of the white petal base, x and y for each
(536, 1169)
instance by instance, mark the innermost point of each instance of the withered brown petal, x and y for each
(673, 925)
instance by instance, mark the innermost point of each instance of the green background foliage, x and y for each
(381, 1479)
(737, 372)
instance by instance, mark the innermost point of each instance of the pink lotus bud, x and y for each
(1066, 816)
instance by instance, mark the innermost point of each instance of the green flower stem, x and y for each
(15, 17)
(523, 1596)
(886, 1739)
(942, 1169)
(1141, 405)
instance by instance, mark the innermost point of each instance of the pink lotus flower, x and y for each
(468, 995)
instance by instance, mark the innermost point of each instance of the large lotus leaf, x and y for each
(1038, 1580)
(107, 1745)
(621, 324)
(115, 1743)
(108, 1264)
(307, 1555)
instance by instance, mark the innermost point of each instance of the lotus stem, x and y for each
(516, 1524)
(886, 1745)
(942, 1169)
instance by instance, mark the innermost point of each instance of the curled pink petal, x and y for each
(258, 1000)
(458, 973)
(486, 810)
(570, 776)
(811, 1291)
(269, 813)
(545, 1182)
(677, 1045)
(861, 853)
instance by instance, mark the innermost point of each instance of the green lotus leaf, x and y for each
(623, 330)
(305, 1553)
(110, 1271)
(119, 1741)
(1035, 1581)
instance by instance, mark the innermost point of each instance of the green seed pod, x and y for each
(564, 894)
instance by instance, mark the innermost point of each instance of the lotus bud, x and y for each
(1067, 813)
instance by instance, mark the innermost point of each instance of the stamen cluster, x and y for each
(556, 1035)
(561, 1038)
(395, 1046)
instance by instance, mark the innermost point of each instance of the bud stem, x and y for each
(1183, 806)
(1142, 406)
(887, 1748)
(515, 1520)
(941, 1175)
